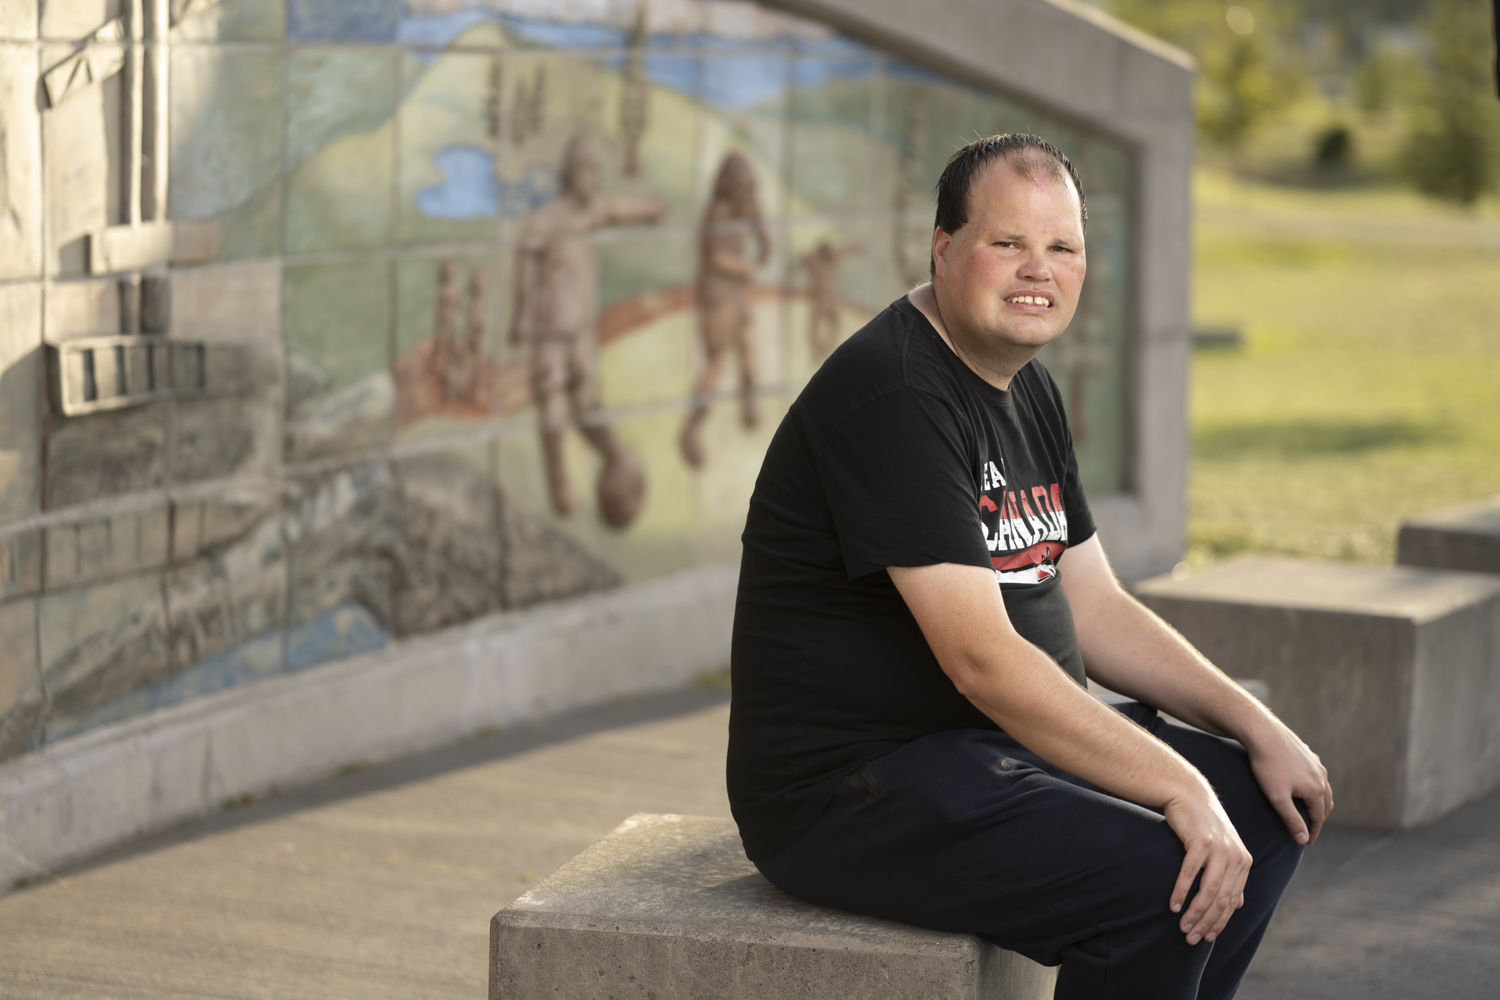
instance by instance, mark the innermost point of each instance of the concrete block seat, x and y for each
(1463, 538)
(668, 906)
(1392, 674)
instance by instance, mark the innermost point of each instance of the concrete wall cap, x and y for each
(1481, 518)
(688, 876)
(1419, 595)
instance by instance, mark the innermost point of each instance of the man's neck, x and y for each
(996, 372)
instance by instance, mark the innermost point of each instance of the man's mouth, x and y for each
(1029, 300)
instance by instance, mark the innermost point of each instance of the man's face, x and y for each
(1008, 281)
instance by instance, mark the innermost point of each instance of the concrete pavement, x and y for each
(380, 884)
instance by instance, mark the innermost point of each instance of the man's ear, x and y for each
(941, 241)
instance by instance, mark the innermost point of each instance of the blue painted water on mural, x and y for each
(468, 190)
(346, 630)
(728, 73)
(343, 631)
(439, 30)
(341, 20)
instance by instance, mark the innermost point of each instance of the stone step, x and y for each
(1391, 674)
(669, 906)
(1463, 538)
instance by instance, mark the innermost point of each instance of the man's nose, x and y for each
(1035, 266)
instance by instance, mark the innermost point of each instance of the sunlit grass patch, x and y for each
(1368, 386)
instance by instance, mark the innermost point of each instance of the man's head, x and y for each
(583, 167)
(1007, 247)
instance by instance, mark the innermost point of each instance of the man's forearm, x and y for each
(1129, 649)
(1018, 686)
(1029, 697)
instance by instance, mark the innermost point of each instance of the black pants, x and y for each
(969, 831)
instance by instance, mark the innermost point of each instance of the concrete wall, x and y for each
(1391, 674)
(1084, 67)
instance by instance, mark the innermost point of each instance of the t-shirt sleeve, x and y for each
(899, 481)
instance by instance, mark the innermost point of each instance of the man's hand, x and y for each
(1215, 849)
(1286, 769)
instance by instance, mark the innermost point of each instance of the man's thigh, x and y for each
(968, 831)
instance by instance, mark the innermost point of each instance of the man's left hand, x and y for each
(1286, 769)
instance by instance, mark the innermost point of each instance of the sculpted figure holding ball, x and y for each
(557, 316)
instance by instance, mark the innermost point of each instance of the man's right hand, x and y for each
(1214, 849)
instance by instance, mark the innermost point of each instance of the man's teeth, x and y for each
(1029, 300)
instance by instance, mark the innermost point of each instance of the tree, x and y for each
(1454, 144)
(1251, 65)
(1238, 91)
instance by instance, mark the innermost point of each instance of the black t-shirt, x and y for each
(895, 454)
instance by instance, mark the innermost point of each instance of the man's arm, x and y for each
(1128, 649)
(963, 618)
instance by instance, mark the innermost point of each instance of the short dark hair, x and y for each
(1030, 156)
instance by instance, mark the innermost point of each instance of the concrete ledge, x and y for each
(1392, 675)
(81, 796)
(668, 906)
(1463, 538)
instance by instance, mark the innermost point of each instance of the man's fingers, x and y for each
(1318, 807)
(1225, 913)
(1190, 866)
(1287, 809)
(1205, 905)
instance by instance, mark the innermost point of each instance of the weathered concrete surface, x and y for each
(1391, 674)
(668, 906)
(81, 796)
(1464, 538)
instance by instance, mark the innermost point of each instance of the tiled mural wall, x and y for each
(329, 322)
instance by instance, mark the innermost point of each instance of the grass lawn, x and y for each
(1368, 386)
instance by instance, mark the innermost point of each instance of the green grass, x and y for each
(1368, 388)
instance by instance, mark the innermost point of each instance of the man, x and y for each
(912, 741)
(557, 315)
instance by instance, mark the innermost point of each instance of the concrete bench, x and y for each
(669, 907)
(1464, 538)
(1392, 674)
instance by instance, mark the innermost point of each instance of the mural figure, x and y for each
(913, 203)
(725, 272)
(455, 362)
(494, 101)
(528, 112)
(635, 95)
(556, 315)
(822, 267)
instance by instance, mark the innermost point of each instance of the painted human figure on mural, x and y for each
(822, 267)
(726, 270)
(556, 316)
(455, 362)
